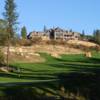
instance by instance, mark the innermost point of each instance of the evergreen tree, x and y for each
(97, 36)
(83, 33)
(71, 30)
(83, 36)
(94, 35)
(24, 32)
(10, 16)
(3, 32)
(45, 29)
(3, 24)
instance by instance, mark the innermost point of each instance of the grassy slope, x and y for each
(50, 69)
(76, 73)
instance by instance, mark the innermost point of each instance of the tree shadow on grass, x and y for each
(76, 66)
(83, 78)
(84, 82)
(80, 83)
(28, 76)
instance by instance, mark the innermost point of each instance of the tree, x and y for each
(96, 35)
(3, 32)
(83, 33)
(24, 32)
(44, 29)
(83, 36)
(10, 16)
(70, 30)
(3, 24)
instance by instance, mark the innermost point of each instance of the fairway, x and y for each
(51, 68)
(75, 73)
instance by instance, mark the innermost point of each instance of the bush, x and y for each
(56, 42)
(24, 42)
(36, 40)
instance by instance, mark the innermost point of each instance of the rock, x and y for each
(30, 53)
(21, 54)
(7, 69)
(27, 56)
(88, 54)
(55, 55)
(12, 50)
(20, 50)
(4, 69)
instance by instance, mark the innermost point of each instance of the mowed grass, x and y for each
(71, 76)
(51, 69)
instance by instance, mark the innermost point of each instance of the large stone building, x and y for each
(55, 33)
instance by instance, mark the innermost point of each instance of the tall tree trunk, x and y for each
(8, 47)
(8, 53)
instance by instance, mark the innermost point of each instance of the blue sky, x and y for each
(77, 15)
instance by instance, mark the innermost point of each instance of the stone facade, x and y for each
(55, 33)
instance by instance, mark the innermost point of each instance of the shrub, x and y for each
(56, 42)
(36, 40)
(24, 42)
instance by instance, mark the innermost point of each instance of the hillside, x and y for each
(83, 43)
(31, 53)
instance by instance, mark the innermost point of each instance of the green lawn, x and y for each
(76, 73)
(30, 72)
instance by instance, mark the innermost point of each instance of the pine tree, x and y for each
(3, 33)
(83, 33)
(97, 36)
(10, 16)
(24, 32)
(45, 29)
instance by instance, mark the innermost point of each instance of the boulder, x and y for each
(88, 54)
